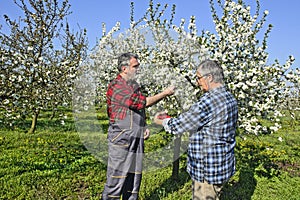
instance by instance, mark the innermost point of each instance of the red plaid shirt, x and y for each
(121, 96)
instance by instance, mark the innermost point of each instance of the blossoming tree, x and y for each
(169, 55)
(261, 88)
(39, 60)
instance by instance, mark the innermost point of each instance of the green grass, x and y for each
(47, 165)
(53, 163)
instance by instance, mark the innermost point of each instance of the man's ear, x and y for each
(211, 78)
(123, 68)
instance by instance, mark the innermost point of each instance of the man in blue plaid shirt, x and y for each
(212, 122)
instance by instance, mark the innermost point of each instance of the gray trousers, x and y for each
(124, 170)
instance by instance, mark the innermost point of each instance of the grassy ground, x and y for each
(54, 164)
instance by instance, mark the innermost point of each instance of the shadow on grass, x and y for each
(252, 160)
(57, 124)
(169, 186)
(242, 189)
(42, 124)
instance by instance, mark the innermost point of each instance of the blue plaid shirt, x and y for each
(212, 124)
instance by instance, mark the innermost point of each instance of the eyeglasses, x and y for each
(199, 77)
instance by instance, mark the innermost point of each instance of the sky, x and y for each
(283, 40)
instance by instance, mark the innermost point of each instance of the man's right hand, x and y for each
(169, 91)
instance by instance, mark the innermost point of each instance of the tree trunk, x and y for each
(33, 122)
(53, 114)
(175, 170)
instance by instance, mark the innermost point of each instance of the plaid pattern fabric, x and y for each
(121, 96)
(212, 123)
